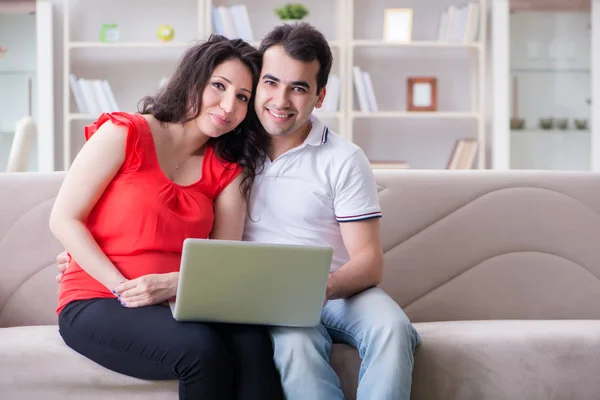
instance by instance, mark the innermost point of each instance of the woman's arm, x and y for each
(91, 172)
(230, 212)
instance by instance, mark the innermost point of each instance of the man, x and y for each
(316, 188)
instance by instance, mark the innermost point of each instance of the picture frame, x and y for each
(397, 24)
(421, 93)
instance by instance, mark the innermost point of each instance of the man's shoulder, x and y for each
(338, 146)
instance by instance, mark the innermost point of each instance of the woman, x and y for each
(143, 183)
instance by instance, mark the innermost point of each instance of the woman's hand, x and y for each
(62, 263)
(147, 290)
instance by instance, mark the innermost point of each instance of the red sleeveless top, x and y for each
(142, 218)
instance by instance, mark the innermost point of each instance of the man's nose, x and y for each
(281, 99)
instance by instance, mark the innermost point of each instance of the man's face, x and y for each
(287, 92)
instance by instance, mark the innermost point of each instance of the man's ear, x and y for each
(320, 98)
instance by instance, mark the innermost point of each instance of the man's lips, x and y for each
(279, 114)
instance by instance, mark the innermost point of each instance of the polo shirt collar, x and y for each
(318, 133)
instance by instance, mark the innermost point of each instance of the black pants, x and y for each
(211, 361)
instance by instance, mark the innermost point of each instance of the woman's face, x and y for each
(225, 98)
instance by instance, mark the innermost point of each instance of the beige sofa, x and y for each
(498, 270)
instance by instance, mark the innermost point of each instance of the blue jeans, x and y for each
(372, 323)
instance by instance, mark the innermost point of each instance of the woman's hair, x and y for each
(245, 145)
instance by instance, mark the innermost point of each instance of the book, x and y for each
(463, 155)
(389, 165)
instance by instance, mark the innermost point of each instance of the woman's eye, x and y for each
(218, 85)
(242, 98)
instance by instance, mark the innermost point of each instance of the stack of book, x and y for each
(464, 154)
(232, 22)
(389, 165)
(364, 90)
(92, 96)
(460, 23)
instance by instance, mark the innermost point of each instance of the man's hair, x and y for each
(302, 42)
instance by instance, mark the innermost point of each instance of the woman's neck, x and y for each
(187, 138)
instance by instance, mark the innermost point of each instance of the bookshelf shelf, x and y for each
(332, 43)
(415, 114)
(125, 45)
(354, 30)
(327, 114)
(81, 117)
(429, 44)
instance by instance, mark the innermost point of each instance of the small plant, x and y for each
(291, 11)
(581, 124)
(517, 123)
(546, 123)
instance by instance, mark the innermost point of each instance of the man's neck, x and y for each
(282, 144)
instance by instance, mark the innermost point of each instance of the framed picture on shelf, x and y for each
(421, 94)
(397, 24)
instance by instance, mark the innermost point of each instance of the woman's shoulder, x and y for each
(217, 161)
(127, 120)
(133, 125)
(218, 171)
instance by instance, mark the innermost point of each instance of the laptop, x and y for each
(251, 283)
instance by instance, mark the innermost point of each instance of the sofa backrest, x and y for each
(28, 291)
(473, 245)
(458, 245)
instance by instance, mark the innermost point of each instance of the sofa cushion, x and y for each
(37, 364)
(493, 360)
(507, 360)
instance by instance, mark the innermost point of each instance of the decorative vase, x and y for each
(109, 33)
(165, 33)
(562, 124)
(291, 21)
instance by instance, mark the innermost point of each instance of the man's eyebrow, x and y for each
(228, 81)
(294, 83)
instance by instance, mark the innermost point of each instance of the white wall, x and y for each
(18, 35)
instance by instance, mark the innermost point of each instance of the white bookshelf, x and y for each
(124, 45)
(340, 22)
(102, 54)
(374, 52)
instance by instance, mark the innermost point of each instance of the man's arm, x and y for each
(365, 268)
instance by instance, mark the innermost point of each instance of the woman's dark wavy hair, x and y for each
(246, 144)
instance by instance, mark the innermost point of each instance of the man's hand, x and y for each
(62, 262)
(147, 290)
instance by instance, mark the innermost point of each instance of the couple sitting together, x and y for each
(227, 149)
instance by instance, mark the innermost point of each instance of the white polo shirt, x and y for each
(304, 195)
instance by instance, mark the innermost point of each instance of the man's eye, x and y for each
(269, 83)
(299, 89)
